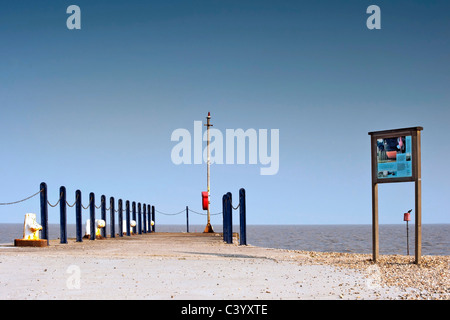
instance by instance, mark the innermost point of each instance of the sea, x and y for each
(323, 238)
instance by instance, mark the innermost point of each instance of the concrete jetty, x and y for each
(194, 266)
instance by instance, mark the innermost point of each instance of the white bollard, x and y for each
(30, 227)
(30, 233)
(152, 223)
(124, 226)
(99, 223)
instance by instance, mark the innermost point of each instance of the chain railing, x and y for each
(144, 212)
(19, 201)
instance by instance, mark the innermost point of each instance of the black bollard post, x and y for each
(111, 217)
(127, 214)
(103, 214)
(78, 221)
(230, 218)
(187, 219)
(144, 214)
(153, 218)
(62, 215)
(139, 222)
(224, 218)
(120, 217)
(149, 212)
(92, 215)
(44, 211)
(242, 218)
(133, 209)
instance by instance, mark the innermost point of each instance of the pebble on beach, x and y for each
(430, 279)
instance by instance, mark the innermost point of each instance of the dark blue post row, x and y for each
(145, 213)
(227, 214)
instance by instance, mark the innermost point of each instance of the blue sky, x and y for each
(94, 109)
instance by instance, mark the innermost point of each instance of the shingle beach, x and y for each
(201, 266)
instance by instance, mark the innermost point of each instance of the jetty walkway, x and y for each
(190, 266)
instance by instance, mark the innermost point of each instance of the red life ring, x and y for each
(205, 200)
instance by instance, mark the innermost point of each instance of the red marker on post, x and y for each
(407, 218)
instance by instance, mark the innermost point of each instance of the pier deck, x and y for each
(176, 266)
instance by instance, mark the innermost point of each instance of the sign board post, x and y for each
(396, 158)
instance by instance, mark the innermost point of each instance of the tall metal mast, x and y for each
(208, 227)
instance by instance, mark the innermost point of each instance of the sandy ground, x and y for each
(183, 266)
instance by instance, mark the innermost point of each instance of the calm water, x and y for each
(337, 238)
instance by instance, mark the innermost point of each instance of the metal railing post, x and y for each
(120, 217)
(111, 217)
(139, 222)
(127, 213)
(103, 214)
(78, 221)
(44, 211)
(62, 215)
(242, 218)
(133, 209)
(153, 218)
(187, 219)
(230, 218)
(144, 214)
(224, 217)
(92, 215)
(149, 212)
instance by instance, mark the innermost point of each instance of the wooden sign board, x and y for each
(396, 158)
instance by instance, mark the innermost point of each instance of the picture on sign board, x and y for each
(394, 157)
